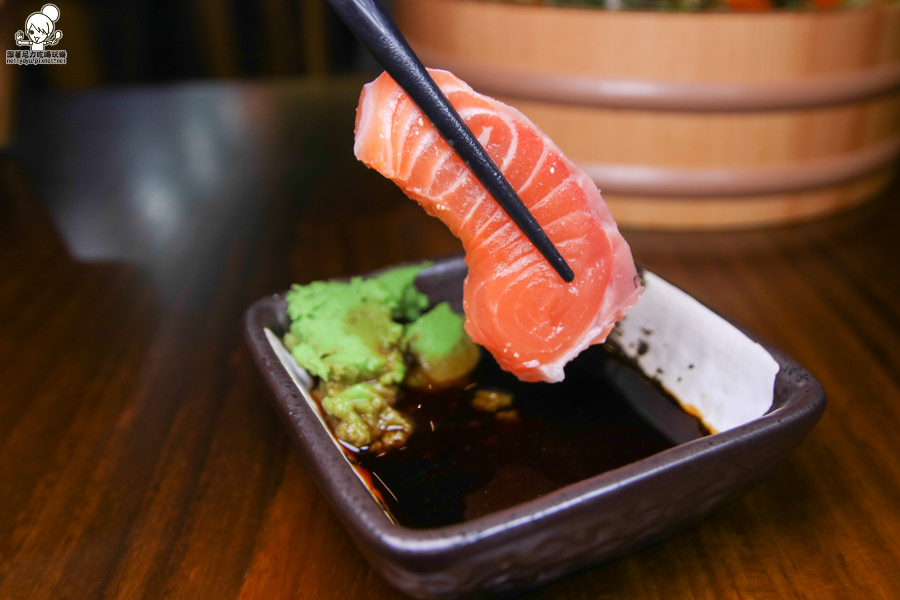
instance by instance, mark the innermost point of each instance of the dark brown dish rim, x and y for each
(583, 523)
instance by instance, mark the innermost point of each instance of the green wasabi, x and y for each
(442, 350)
(362, 338)
(405, 300)
(341, 333)
(363, 415)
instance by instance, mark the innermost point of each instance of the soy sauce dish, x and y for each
(679, 412)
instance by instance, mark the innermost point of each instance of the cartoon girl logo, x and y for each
(40, 29)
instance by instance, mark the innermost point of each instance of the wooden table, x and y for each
(139, 457)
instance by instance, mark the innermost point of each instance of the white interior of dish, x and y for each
(713, 369)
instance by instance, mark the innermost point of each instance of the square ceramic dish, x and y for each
(759, 403)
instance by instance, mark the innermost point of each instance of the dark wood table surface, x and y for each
(139, 457)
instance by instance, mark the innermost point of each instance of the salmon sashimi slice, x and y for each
(516, 305)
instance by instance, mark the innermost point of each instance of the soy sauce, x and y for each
(461, 463)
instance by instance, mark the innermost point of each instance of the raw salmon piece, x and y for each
(516, 305)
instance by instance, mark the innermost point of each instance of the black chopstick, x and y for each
(379, 33)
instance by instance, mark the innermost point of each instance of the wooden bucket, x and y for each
(690, 120)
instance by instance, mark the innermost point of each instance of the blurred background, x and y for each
(137, 42)
(676, 164)
(141, 127)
